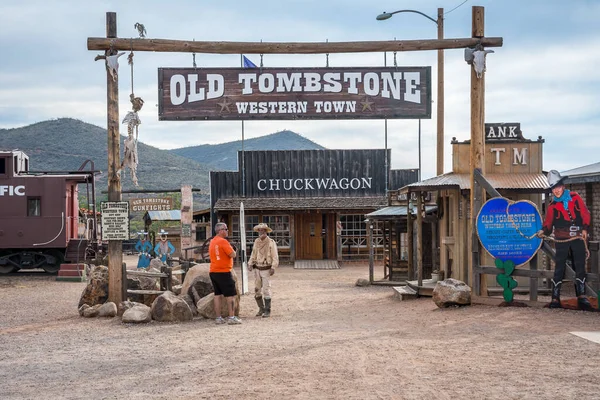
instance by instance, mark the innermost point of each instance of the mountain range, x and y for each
(65, 144)
(223, 157)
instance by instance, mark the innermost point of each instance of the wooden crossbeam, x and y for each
(188, 46)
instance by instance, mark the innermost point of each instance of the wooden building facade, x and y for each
(314, 200)
(513, 166)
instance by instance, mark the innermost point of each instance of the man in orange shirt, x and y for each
(221, 262)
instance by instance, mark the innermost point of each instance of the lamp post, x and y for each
(440, 87)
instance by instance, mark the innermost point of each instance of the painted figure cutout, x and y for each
(164, 249)
(143, 247)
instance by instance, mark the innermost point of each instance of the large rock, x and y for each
(169, 308)
(150, 283)
(139, 313)
(124, 306)
(451, 292)
(108, 309)
(197, 283)
(96, 291)
(206, 307)
(190, 302)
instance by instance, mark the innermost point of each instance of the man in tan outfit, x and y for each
(263, 260)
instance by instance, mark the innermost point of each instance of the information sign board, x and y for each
(115, 220)
(507, 229)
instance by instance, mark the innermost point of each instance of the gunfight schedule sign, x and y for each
(294, 93)
(115, 220)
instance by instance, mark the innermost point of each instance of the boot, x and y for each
(261, 306)
(582, 301)
(555, 303)
(267, 313)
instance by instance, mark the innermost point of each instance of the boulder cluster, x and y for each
(192, 298)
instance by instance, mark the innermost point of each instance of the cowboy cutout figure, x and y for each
(163, 249)
(143, 247)
(568, 219)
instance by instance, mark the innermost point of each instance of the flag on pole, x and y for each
(248, 63)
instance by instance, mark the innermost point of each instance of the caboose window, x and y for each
(34, 206)
(2, 166)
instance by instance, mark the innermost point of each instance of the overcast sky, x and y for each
(546, 76)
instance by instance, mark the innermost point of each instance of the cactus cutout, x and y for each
(507, 282)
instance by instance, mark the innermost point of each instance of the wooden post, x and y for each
(434, 246)
(420, 239)
(594, 247)
(440, 96)
(115, 247)
(477, 145)
(371, 255)
(409, 237)
(533, 281)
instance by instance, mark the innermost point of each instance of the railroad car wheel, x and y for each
(55, 266)
(7, 268)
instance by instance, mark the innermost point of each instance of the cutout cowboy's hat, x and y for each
(262, 225)
(555, 179)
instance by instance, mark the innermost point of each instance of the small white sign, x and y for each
(115, 220)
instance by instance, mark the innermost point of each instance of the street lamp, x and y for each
(440, 83)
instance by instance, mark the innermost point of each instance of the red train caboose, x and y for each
(39, 215)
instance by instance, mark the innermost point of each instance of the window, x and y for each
(234, 229)
(2, 166)
(354, 237)
(34, 206)
(281, 229)
(200, 233)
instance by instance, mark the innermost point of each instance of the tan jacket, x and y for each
(264, 254)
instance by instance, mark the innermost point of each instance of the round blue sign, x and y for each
(506, 229)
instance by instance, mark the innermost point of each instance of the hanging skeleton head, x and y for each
(479, 61)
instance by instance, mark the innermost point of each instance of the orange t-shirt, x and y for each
(219, 251)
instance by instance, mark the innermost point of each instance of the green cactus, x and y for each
(505, 280)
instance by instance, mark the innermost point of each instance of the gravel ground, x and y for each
(326, 339)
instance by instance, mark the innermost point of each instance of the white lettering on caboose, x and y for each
(10, 190)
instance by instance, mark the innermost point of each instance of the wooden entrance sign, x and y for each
(111, 45)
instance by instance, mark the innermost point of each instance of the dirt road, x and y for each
(327, 339)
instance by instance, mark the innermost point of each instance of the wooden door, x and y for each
(309, 243)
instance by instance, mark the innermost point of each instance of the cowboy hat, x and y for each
(262, 225)
(162, 232)
(555, 179)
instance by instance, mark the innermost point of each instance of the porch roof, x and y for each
(393, 212)
(525, 183)
(301, 203)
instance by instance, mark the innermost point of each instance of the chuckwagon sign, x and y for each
(294, 93)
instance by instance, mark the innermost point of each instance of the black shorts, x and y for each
(223, 284)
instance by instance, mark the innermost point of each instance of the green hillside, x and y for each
(65, 144)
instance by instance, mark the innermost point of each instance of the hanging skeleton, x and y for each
(132, 119)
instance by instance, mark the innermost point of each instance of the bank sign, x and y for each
(294, 93)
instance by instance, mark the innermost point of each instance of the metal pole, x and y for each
(386, 139)
(419, 150)
(242, 166)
